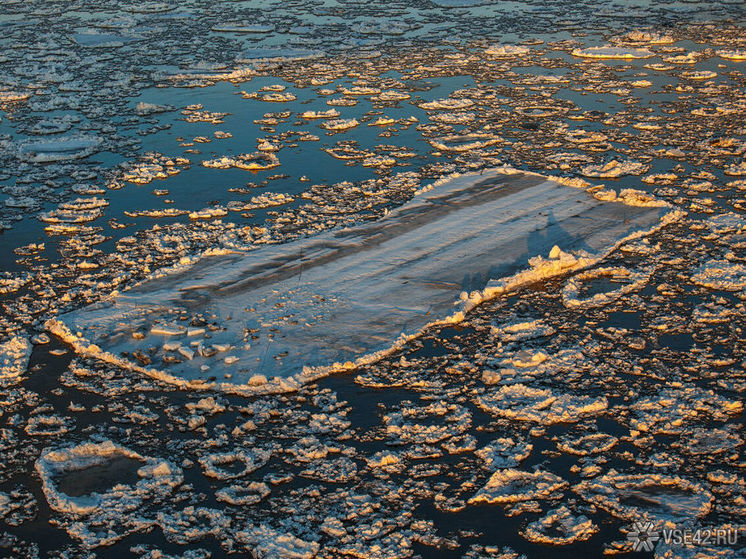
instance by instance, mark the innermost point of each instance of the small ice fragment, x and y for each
(40, 339)
(166, 330)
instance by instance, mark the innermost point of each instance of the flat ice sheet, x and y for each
(344, 294)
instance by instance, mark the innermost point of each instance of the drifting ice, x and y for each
(301, 310)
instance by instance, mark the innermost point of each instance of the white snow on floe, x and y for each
(367, 288)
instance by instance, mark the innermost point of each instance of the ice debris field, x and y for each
(450, 278)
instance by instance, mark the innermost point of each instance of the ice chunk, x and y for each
(264, 541)
(559, 527)
(215, 465)
(258, 161)
(630, 281)
(519, 331)
(240, 27)
(721, 274)
(447, 104)
(504, 453)
(612, 52)
(732, 54)
(243, 494)
(653, 497)
(144, 109)
(14, 356)
(97, 516)
(506, 50)
(523, 403)
(365, 286)
(59, 149)
(340, 124)
(331, 113)
(514, 486)
(614, 169)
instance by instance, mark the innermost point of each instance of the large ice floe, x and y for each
(297, 311)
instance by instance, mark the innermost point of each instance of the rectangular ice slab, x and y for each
(346, 294)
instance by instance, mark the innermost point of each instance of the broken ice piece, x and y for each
(186, 352)
(167, 330)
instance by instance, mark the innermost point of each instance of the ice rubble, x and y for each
(369, 287)
(14, 356)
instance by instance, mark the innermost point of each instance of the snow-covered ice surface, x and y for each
(358, 289)
(199, 199)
